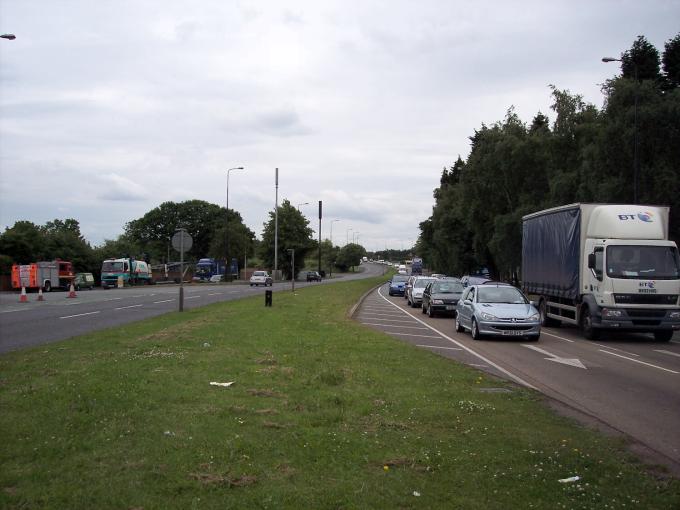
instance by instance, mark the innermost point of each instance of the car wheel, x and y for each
(430, 313)
(459, 326)
(663, 336)
(474, 330)
(587, 328)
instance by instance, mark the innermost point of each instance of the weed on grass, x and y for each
(323, 413)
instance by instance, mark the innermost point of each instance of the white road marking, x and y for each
(17, 310)
(114, 299)
(138, 295)
(373, 318)
(438, 347)
(615, 349)
(641, 362)
(414, 335)
(667, 352)
(164, 301)
(79, 315)
(385, 314)
(475, 365)
(497, 367)
(574, 362)
(215, 294)
(544, 332)
(388, 326)
(233, 292)
(192, 297)
(130, 306)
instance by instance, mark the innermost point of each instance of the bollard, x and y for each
(267, 298)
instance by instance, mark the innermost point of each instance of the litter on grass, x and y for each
(225, 384)
(570, 479)
(416, 494)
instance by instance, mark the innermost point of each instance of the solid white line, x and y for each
(486, 360)
(388, 326)
(438, 347)
(164, 301)
(615, 349)
(78, 315)
(544, 332)
(667, 352)
(124, 307)
(638, 361)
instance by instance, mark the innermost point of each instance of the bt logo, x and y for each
(645, 216)
(648, 285)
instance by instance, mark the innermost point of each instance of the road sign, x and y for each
(182, 241)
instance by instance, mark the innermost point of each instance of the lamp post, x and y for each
(347, 236)
(228, 262)
(332, 221)
(276, 223)
(635, 130)
(11, 37)
(304, 203)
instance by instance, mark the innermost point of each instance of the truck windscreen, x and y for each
(643, 262)
(112, 267)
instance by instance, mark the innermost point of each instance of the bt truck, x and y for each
(207, 268)
(417, 265)
(603, 267)
(131, 271)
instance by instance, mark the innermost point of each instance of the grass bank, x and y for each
(323, 413)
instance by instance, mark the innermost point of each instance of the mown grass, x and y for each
(323, 413)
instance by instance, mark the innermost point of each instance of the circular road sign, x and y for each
(182, 241)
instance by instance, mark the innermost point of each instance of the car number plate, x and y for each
(450, 307)
(512, 332)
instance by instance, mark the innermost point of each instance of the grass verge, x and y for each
(323, 413)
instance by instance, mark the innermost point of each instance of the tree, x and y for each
(23, 243)
(349, 256)
(641, 61)
(671, 62)
(294, 233)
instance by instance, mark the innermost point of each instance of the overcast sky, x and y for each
(109, 108)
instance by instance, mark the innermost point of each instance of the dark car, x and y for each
(313, 276)
(441, 297)
(398, 285)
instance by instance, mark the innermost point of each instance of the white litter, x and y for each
(416, 494)
(168, 433)
(570, 479)
(225, 384)
(206, 344)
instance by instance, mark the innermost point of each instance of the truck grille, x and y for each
(646, 313)
(646, 299)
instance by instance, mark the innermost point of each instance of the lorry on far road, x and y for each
(46, 275)
(207, 268)
(603, 267)
(417, 265)
(131, 271)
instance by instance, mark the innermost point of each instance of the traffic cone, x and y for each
(23, 298)
(72, 292)
(40, 295)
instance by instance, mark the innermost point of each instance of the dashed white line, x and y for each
(641, 362)
(215, 294)
(79, 315)
(667, 352)
(192, 297)
(138, 295)
(114, 299)
(438, 347)
(388, 326)
(373, 318)
(543, 331)
(130, 306)
(164, 301)
(615, 349)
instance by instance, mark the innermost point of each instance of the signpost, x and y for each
(181, 242)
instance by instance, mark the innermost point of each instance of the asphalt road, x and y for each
(628, 382)
(58, 317)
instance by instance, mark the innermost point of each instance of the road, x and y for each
(628, 382)
(58, 317)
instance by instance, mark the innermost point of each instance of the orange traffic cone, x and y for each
(23, 298)
(40, 295)
(72, 292)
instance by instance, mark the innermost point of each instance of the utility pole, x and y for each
(276, 223)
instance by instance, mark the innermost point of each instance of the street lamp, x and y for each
(11, 37)
(304, 203)
(332, 221)
(347, 236)
(355, 237)
(635, 130)
(228, 262)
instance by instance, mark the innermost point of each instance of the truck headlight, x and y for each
(437, 302)
(488, 316)
(674, 315)
(609, 313)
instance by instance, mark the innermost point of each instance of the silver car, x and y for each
(497, 310)
(415, 292)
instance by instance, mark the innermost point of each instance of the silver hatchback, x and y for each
(497, 310)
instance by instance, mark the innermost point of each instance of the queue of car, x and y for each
(479, 305)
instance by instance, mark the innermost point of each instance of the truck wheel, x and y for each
(663, 336)
(474, 330)
(587, 328)
(48, 286)
(545, 320)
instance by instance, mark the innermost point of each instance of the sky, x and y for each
(110, 108)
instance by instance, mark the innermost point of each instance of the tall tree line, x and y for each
(585, 155)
